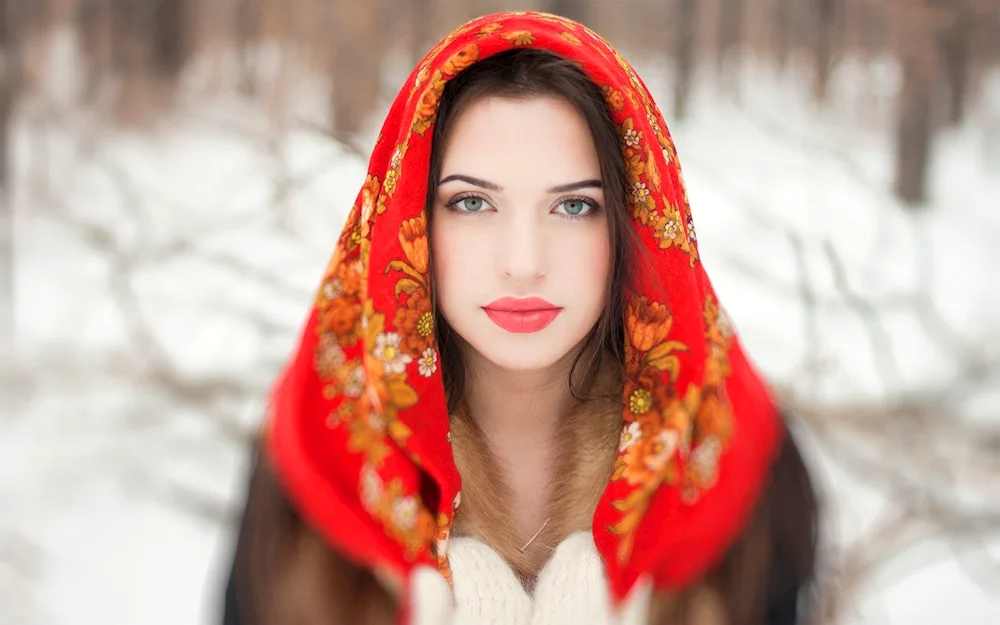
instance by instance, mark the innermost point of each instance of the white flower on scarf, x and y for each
(329, 355)
(705, 457)
(404, 512)
(371, 487)
(354, 384)
(428, 362)
(640, 192)
(670, 230)
(387, 350)
(367, 207)
(691, 232)
(632, 138)
(630, 436)
(442, 545)
(332, 289)
(725, 323)
(376, 420)
(664, 445)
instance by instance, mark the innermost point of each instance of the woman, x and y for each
(516, 399)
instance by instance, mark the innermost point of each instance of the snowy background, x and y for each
(162, 276)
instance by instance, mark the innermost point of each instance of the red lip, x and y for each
(522, 316)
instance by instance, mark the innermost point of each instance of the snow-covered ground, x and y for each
(161, 279)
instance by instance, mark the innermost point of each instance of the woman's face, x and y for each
(520, 235)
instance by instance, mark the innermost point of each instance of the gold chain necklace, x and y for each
(528, 544)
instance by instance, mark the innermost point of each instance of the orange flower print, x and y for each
(426, 111)
(662, 448)
(714, 416)
(648, 397)
(413, 238)
(488, 30)
(341, 318)
(631, 466)
(345, 281)
(461, 60)
(415, 322)
(519, 38)
(640, 401)
(614, 99)
(648, 322)
(647, 460)
(557, 19)
(634, 165)
(571, 38)
(369, 199)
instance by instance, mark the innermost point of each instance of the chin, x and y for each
(522, 360)
(523, 352)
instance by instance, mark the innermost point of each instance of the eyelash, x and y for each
(594, 207)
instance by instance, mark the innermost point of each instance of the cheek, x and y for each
(584, 263)
(455, 265)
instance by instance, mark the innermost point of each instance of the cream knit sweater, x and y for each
(571, 589)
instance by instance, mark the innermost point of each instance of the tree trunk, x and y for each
(167, 24)
(956, 57)
(356, 66)
(686, 24)
(10, 71)
(421, 29)
(914, 133)
(825, 21)
(730, 37)
(247, 33)
(784, 30)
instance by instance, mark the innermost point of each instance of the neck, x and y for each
(522, 406)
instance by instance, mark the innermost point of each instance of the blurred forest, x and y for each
(135, 63)
(136, 50)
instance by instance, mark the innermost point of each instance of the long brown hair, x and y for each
(528, 73)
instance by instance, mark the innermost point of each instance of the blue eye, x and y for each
(468, 204)
(575, 207)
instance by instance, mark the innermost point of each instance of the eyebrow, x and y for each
(492, 186)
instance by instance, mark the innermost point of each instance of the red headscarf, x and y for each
(358, 428)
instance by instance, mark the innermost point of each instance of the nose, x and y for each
(521, 249)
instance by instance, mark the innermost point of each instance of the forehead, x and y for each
(540, 139)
